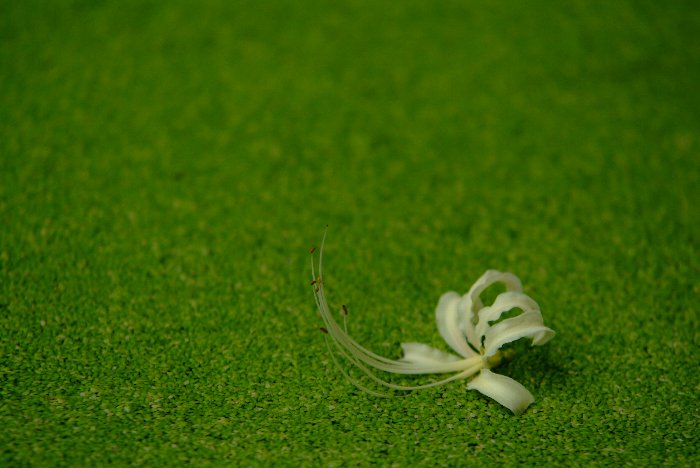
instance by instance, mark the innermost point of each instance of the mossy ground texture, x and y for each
(166, 166)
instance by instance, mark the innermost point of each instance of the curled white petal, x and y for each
(506, 391)
(448, 323)
(504, 302)
(470, 304)
(528, 324)
(511, 282)
(465, 310)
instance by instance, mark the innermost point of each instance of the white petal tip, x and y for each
(543, 337)
(447, 299)
(504, 390)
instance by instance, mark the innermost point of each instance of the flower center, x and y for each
(498, 358)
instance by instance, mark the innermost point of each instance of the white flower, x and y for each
(467, 327)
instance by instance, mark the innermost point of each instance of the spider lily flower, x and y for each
(469, 327)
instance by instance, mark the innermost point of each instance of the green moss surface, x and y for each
(165, 167)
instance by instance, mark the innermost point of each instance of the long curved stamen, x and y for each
(363, 358)
(374, 360)
(466, 373)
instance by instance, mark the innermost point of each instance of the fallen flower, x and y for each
(466, 324)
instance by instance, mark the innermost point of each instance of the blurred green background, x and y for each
(165, 167)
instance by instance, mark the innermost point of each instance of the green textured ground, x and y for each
(165, 167)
